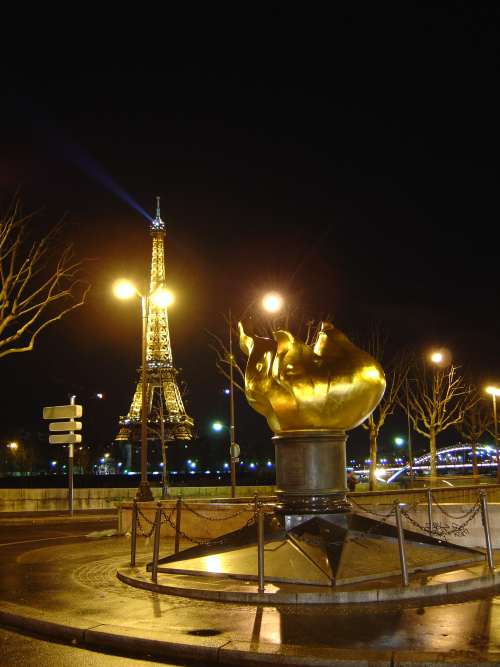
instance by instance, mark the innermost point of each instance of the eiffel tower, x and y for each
(161, 375)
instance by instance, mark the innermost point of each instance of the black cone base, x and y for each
(323, 550)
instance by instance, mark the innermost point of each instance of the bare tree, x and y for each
(39, 282)
(476, 421)
(396, 371)
(437, 399)
(224, 360)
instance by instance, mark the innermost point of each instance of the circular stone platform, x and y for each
(224, 589)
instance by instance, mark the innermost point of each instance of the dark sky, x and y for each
(362, 182)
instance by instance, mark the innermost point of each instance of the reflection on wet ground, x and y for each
(79, 581)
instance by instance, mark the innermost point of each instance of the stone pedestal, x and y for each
(310, 469)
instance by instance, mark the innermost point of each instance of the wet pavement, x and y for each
(63, 574)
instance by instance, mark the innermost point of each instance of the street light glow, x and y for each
(492, 390)
(399, 441)
(217, 426)
(272, 302)
(162, 297)
(437, 357)
(124, 289)
(13, 446)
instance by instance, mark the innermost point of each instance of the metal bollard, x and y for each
(487, 533)
(156, 545)
(401, 544)
(133, 537)
(178, 507)
(429, 509)
(260, 547)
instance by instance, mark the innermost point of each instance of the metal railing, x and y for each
(399, 510)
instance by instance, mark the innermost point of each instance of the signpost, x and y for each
(70, 438)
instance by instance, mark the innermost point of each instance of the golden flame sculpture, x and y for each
(332, 385)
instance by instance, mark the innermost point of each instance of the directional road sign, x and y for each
(62, 412)
(65, 439)
(70, 425)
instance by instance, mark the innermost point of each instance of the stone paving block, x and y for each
(169, 644)
(254, 653)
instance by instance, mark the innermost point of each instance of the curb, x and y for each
(44, 520)
(222, 651)
(396, 594)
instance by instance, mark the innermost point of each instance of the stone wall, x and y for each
(39, 500)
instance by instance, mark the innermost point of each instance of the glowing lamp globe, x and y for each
(272, 302)
(162, 297)
(124, 289)
(437, 357)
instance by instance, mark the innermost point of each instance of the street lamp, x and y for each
(439, 359)
(272, 302)
(494, 392)
(161, 297)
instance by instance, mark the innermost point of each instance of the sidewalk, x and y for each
(70, 592)
(48, 518)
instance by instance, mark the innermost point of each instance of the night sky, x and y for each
(361, 183)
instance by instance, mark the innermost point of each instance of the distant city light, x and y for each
(217, 426)
(53, 463)
(119, 464)
(99, 395)
(251, 465)
(161, 464)
(226, 465)
(269, 464)
(399, 441)
(227, 391)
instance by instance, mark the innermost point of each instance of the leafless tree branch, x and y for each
(39, 284)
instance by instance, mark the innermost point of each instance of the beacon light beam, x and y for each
(80, 157)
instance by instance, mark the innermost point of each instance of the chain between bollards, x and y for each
(133, 539)
(156, 545)
(487, 533)
(260, 547)
(401, 545)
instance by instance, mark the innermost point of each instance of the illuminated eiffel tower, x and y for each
(161, 375)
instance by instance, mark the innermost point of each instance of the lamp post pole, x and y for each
(232, 428)
(494, 398)
(144, 491)
(410, 452)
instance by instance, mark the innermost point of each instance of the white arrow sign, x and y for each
(70, 425)
(65, 439)
(62, 412)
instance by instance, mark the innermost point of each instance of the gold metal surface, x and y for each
(331, 385)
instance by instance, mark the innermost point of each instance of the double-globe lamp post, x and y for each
(161, 297)
(272, 303)
(494, 392)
